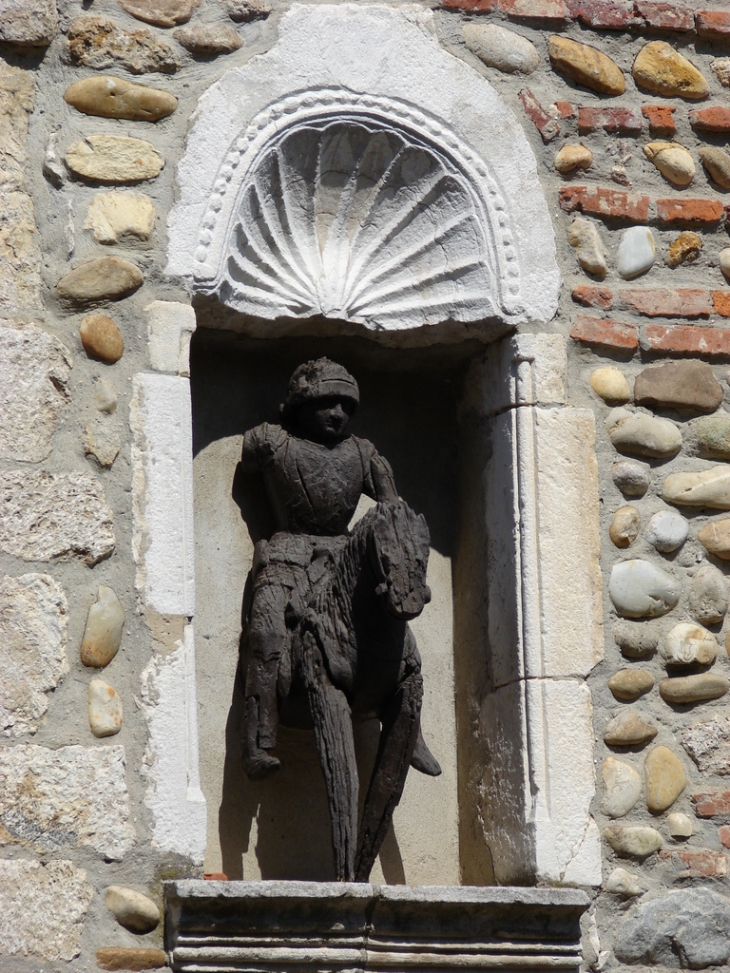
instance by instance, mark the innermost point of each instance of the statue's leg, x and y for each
(268, 639)
(336, 748)
(398, 736)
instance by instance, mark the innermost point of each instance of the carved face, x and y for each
(325, 419)
(401, 545)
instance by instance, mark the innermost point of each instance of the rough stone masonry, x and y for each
(624, 104)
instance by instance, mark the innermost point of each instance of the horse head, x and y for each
(399, 548)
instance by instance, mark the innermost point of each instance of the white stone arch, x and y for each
(474, 240)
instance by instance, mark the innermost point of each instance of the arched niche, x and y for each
(357, 179)
(359, 172)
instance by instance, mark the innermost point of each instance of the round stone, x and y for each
(101, 338)
(628, 731)
(644, 434)
(637, 640)
(103, 634)
(628, 684)
(631, 478)
(725, 262)
(708, 595)
(105, 396)
(712, 436)
(661, 69)
(685, 249)
(625, 525)
(715, 537)
(694, 689)
(640, 589)
(621, 882)
(688, 386)
(610, 383)
(572, 157)
(586, 65)
(633, 841)
(667, 531)
(680, 825)
(100, 279)
(673, 161)
(708, 488)
(621, 787)
(105, 709)
(500, 48)
(665, 779)
(636, 252)
(131, 909)
(689, 644)
(717, 163)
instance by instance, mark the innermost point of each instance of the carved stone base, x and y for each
(312, 926)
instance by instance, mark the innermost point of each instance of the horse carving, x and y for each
(356, 658)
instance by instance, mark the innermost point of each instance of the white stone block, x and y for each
(163, 493)
(78, 798)
(171, 759)
(42, 908)
(33, 622)
(34, 371)
(170, 326)
(527, 369)
(54, 515)
(544, 544)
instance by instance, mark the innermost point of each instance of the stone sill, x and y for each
(282, 926)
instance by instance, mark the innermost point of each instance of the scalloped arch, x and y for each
(395, 191)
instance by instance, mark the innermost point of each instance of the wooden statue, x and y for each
(328, 611)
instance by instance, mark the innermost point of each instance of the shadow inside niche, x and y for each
(287, 815)
(408, 411)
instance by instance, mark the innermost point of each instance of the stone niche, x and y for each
(384, 211)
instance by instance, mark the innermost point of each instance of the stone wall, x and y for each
(624, 105)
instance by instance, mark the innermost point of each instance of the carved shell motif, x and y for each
(351, 221)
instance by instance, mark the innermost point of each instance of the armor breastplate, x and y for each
(314, 489)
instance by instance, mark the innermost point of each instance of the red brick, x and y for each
(712, 804)
(608, 203)
(621, 120)
(603, 14)
(215, 877)
(715, 119)
(687, 340)
(664, 16)
(590, 296)
(603, 331)
(664, 302)
(660, 119)
(544, 122)
(701, 862)
(535, 9)
(692, 212)
(552, 10)
(721, 303)
(724, 834)
(475, 6)
(566, 109)
(713, 23)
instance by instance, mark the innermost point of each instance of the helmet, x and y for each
(317, 380)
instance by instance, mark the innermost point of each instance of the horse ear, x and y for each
(422, 521)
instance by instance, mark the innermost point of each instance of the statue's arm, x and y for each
(379, 479)
(258, 446)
